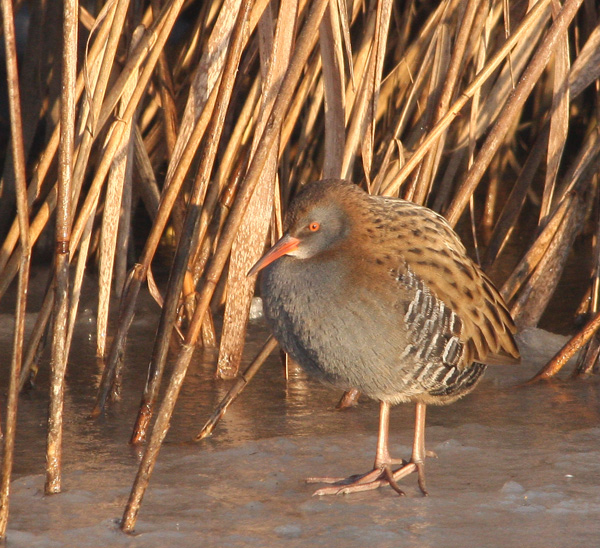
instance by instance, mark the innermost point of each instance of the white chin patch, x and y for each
(300, 253)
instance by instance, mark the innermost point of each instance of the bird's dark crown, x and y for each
(321, 193)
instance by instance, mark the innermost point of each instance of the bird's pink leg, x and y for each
(382, 473)
(417, 461)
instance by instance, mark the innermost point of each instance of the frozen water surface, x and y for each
(516, 466)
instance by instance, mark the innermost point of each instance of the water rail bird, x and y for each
(378, 294)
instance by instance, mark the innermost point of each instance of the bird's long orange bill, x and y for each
(282, 247)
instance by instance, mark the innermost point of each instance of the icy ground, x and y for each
(516, 466)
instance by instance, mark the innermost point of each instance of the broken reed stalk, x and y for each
(18, 153)
(304, 46)
(119, 180)
(568, 350)
(241, 383)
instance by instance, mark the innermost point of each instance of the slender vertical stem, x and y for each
(96, 98)
(139, 272)
(61, 257)
(190, 234)
(39, 175)
(22, 212)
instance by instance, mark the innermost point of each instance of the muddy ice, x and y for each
(517, 465)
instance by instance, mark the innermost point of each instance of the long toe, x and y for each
(421, 476)
(378, 477)
(355, 479)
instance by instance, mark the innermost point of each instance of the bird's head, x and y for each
(316, 222)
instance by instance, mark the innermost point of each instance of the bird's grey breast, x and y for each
(335, 329)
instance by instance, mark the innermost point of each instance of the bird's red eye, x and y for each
(314, 226)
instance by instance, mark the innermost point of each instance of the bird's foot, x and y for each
(378, 477)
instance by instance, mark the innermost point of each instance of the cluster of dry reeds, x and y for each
(210, 114)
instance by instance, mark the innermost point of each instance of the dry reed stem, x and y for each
(375, 73)
(513, 205)
(208, 71)
(419, 185)
(95, 98)
(559, 117)
(165, 25)
(275, 50)
(332, 59)
(586, 68)
(534, 254)
(360, 133)
(18, 154)
(36, 341)
(166, 90)
(140, 270)
(446, 95)
(60, 350)
(536, 292)
(179, 166)
(161, 425)
(568, 350)
(119, 178)
(44, 314)
(42, 168)
(241, 383)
